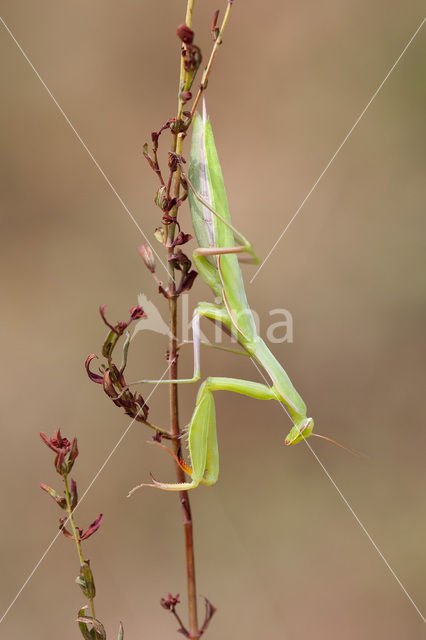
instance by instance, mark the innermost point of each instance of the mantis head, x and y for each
(300, 431)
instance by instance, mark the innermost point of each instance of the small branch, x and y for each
(177, 144)
(189, 10)
(170, 199)
(208, 68)
(76, 536)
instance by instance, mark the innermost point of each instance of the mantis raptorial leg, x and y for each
(202, 437)
(216, 260)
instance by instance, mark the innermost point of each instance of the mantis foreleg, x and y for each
(209, 311)
(202, 436)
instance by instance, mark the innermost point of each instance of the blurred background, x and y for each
(278, 551)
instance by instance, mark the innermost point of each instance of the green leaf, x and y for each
(83, 626)
(98, 627)
(86, 582)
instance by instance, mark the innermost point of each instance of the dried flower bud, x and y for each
(112, 338)
(185, 33)
(161, 199)
(136, 313)
(186, 282)
(214, 28)
(170, 602)
(71, 456)
(74, 494)
(66, 452)
(147, 256)
(160, 235)
(191, 62)
(174, 157)
(60, 500)
(180, 261)
(181, 238)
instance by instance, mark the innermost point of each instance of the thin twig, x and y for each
(176, 148)
(76, 536)
(173, 355)
(208, 68)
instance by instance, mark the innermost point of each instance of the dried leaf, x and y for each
(60, 500)
(92, 528)
(94, 377)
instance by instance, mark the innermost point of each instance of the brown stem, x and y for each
(183, 495)
(208, 68)
(177, 144)
(173, 374)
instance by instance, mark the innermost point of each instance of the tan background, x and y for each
(278, 551)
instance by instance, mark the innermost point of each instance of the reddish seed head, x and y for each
(170, 602)
(185, 33)
(136, 313)
(66, 451)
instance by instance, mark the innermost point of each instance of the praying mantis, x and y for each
(216, 260)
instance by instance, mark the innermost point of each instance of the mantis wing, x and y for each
(213, 231)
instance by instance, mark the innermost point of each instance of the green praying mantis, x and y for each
(216, 260)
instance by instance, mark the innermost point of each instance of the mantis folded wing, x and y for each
(216, 260)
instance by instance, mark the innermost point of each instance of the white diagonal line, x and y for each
(365, 530)
(95, 477)
(318, 180)
(83, 144)
(345, 501)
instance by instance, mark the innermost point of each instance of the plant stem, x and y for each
(189, 10)
(177, 145)
(183, 495)
(76, 536)
(208, 68)
(173, 373)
